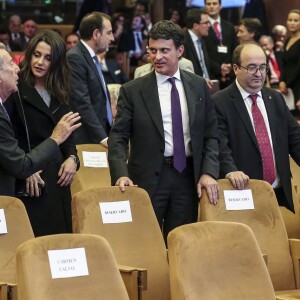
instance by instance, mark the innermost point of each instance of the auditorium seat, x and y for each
(268, 227)
(38, 281)
(217, 260)
(138, 243)
(90, 177)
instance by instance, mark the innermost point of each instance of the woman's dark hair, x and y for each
(253, 25)
(58, 76)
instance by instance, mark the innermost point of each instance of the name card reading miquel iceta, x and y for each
(115, 212)
(94, 159)
(238, 200)
(3, 226)
(68, 263)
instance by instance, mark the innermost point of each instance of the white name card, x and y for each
(238, 200)
(3, 226)
(68, 263)
(94, 159)
(115, 212)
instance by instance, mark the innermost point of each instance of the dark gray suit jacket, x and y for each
(14, 163)
(238, 145)
(139, 120)
(87, 96)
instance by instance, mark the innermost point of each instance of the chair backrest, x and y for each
(138, 243)
(217, 260)
(18, 231)
(267, 225)
(90, 177)
(35, 280)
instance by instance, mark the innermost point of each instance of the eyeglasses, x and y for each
(206, 23)
(253, 69)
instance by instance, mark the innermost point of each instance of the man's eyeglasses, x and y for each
(206, 23)
(253, 69)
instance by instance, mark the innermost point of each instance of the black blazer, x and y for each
(87, 96)
(115, 74)
(238, 145)
(14, 163)
(139, 121)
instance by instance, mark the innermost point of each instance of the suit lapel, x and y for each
(242, 111)
(151, 100)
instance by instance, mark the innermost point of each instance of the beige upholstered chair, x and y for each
(35, 281)
(90, 177)
(138, 243)
(268, 227)
(217, 260)
(18, 231)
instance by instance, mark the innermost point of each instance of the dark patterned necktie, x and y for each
(263, 141)
(178, 139)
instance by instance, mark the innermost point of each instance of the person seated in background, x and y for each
(175, 16)
(29, 30)
(279, 34)
(4, 38)
(249, 30)
(15, 34)
(71, 40)
(111, 70)
(274, 60)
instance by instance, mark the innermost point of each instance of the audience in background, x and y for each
(290, 75)
(15, 34)
(44, 96)
(279, 35)
(249, 30)
(71, 40)
(175, 16)
(29, 30)
(4, 37)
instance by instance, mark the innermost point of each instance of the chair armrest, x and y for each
(135, 280)
(295, 252)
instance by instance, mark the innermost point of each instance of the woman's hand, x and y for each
(34, 184)
(67, 172)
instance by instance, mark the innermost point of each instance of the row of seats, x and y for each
(216, 257)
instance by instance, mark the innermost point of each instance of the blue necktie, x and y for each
(179, 159)
(108, 107)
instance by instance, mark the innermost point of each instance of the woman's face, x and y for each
(244, 35)
(41, 60)
(293, 22)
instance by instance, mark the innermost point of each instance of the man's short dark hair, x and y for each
(167, 30)
(220, 2)
(236, 56)
(194, 15)
(253, 25)
(91, 22)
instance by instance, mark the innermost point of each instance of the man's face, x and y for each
(104, 39)
(136, 24)
(266, 44)
(71, 41)
(213, 8)
(201, 28)
(15, 25)
(30, 28)
(244, 35)
(8, 75)
(251, 56)
(164, 56)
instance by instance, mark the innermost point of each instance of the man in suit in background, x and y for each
(14, 162)
(89, 94)
(15, 34)
(173, 147)
(257, 131)
(220, 42)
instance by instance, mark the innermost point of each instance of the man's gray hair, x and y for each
(2, 46)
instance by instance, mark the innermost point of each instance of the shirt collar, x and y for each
(163, 78)
(91, 51)
(212, 21)
(193, 35)
(1, 102)
(244, 93)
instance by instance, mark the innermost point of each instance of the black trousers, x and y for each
(175, 200)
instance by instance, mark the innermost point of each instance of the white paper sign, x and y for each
(238, 200)
(115, 212)
(68, 263)
(94, 159)
(3, 227)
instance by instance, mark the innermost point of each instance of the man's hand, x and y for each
(65, 127)
(124, 181)
(211, 186)
(238, 179)
(282, 88)
(33, 184)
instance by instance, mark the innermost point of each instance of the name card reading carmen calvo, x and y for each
(115, 212)
(238, 200)
(3, 226)
(68, 263)
(94, 159)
